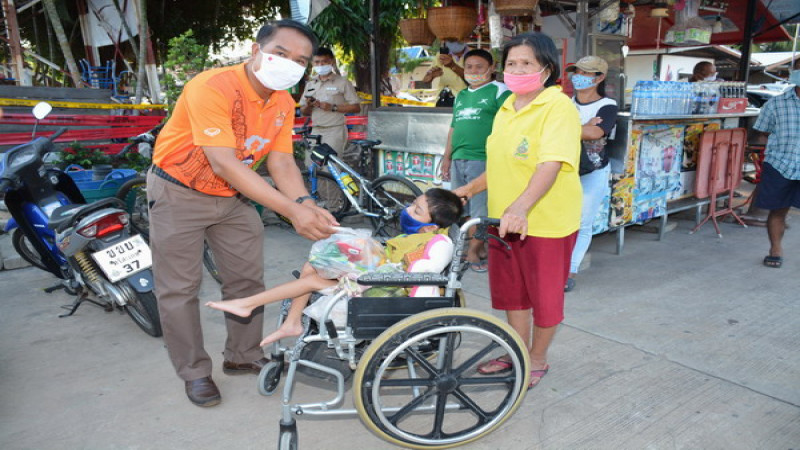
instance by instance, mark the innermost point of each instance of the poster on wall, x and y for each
(658, 177)
(421, 168)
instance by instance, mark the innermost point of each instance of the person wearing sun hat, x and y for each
(598, 118)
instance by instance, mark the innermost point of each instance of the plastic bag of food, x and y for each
(347, 253)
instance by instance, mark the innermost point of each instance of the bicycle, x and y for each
(342, 187)
(134, 194)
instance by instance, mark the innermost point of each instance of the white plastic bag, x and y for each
(338, 314)
(347, 253)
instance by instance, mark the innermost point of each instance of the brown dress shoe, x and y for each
(232, 368)
(203, 392)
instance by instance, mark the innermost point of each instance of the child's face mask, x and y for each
(411, 225)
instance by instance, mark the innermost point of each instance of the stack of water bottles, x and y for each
(676, 98)
(662, 98)
(706, 97)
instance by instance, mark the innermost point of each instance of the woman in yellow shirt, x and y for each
(533, 186)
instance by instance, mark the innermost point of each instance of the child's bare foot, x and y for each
(285, 331)
(234, 307)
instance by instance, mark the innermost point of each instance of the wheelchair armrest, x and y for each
(403, 279)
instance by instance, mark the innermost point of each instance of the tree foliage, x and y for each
(346, 23)
(185, 59)
(214, 22)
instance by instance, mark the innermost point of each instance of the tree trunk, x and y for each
(142, 59)
(55, 21)
(362, 66)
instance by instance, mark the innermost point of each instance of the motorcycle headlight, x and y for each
(21, 157)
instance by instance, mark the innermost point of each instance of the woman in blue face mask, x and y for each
(598, 117)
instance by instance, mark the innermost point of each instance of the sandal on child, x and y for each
(494, 367)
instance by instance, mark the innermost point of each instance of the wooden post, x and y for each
(14, 40)
(92, 54)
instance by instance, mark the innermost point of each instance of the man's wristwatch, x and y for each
(304, 198)
(334, 108)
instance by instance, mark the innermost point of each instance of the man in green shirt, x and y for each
(465, 152)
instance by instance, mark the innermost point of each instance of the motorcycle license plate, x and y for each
(124, 259)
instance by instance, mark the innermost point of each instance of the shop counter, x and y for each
(412, 142)
(653, 165)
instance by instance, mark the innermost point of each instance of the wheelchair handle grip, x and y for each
(490, 222)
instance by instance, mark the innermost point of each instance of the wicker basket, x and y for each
(515, 7)
(452, 23)
(416, 32)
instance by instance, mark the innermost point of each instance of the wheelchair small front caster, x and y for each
(288, 437)
(270, 377)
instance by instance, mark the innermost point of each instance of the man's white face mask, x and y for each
(278, 73)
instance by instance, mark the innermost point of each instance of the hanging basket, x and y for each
(416, 32)
(515, 7)
(452, 23)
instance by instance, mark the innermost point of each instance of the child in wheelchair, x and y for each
(430, 214)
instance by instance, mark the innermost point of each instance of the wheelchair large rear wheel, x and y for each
(439, 400)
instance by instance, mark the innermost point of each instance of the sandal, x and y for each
(773, 261)
(538, 375)
(481, 266)
(495, 366)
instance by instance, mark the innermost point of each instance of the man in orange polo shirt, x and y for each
(200, 188)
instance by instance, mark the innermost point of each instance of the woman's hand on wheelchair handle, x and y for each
(514, 220)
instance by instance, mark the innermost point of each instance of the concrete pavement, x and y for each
(685, 343)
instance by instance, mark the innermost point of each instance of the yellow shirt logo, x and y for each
(522, 150)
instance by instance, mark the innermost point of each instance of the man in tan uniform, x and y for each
(328, 96)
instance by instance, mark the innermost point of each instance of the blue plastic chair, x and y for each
(98, 77)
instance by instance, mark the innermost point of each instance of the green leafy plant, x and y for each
(75, 153)
(185, 59)
(135, 161)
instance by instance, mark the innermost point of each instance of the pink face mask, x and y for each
(525, 83)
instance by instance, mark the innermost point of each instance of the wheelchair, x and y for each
(411, 361)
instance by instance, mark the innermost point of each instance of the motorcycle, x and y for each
(88, 246)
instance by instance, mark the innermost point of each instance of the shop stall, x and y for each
(654, 167)
(653, 153)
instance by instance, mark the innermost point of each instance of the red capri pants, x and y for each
(531, 275)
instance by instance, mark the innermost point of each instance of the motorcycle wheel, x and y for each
(26, 250)
(143, 309)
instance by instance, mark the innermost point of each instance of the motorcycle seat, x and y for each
(66, 215)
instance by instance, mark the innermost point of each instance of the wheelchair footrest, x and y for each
(368, 317)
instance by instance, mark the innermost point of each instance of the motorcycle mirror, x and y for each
(41, 110)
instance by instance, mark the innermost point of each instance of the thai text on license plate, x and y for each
(124, 258)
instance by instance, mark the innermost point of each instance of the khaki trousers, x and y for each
(336, 137)
(180, 220)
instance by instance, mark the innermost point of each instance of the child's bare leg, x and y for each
(293, 325)
(309, 282)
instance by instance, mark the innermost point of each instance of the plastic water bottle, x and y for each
(349, 183)
(637, 93)
(645, 107)
(659, 99)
